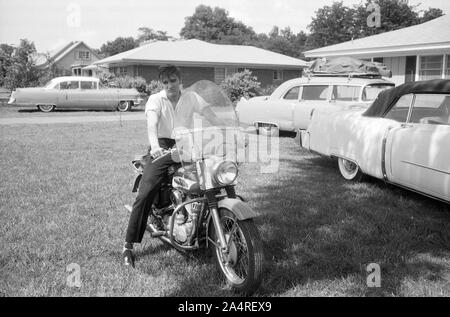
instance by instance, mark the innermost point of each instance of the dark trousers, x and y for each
(149, 185)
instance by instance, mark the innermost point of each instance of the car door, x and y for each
(88, 96)
(314, 96)
(420, 150)
(68, 94)
(344, 95)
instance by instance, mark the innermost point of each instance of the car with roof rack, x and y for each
(75, 92)
(329, 84)
(290, 106)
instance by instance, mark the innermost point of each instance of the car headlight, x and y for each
(225, 173)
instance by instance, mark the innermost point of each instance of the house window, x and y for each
(120, 71)
(82, 55)
(77, 71)
(220, 73)
(278, 75)
(431, 67)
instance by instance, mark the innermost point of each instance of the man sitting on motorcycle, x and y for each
(160, 112)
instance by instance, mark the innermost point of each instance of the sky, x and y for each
(52, 23)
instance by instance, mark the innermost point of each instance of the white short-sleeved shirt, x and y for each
(162, 106)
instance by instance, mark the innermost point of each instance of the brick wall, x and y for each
(192, 74)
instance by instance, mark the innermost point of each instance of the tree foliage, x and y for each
(119, 45)
(215, 26)
(338, 23)
(20, 66)
(148, 34)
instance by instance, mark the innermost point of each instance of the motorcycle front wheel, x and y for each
(242, 266)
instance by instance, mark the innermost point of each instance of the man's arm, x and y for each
(152, 130)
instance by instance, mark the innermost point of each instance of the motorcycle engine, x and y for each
(186, 220)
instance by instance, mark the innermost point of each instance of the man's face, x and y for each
(171, 85)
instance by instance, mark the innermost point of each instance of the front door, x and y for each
(420, 151)
(312, 97)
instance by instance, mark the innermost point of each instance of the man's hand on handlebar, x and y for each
(156, 152)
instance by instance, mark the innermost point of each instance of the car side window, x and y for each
(88, 85)
(431, 109)
(69, 85)
(399, 112)
(292, 93)
(315, 92)
(345, 93)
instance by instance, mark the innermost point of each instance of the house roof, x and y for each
(418, 38)
(198, 53)
(59, 52)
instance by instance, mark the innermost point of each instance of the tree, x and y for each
(6, 60)
(119, 45)
(23, 71)
(331, 25)
(430, 14)
(215, 26)
(148, 34)
(283, 41)
(394, 15)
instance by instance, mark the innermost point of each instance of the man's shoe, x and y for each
(128, 258)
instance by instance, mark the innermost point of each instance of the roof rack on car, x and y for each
(348, 75)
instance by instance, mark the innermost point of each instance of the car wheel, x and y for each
(268, 130)
(124, 106)
(46, 108)
(349, 170)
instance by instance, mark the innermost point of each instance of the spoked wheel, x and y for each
(349, 170)
(124, 106)
(242, 266)
(46, 108)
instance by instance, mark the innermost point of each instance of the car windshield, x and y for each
(50, 84)
(370, 92)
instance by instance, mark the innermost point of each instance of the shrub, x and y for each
(106, 78)
(266, 91)
(241, 84)
(154, 87)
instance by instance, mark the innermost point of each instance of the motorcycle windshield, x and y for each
(206, 125)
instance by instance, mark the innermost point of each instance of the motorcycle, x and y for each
(197, 206)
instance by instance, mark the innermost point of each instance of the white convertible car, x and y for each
(403, 138)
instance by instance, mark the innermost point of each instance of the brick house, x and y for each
(418, 52)
(69, 59)
(201, 60)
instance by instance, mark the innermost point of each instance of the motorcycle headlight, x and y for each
(225, 173)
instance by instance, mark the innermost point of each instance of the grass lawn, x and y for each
(62, 193)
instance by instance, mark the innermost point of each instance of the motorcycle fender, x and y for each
(136, 183)
(238, 207)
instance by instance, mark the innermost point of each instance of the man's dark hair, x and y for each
(169, 70)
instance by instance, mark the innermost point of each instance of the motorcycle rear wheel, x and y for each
(242, 268)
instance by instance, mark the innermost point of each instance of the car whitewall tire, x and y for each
(46, 108)
(124, 106)
(349, 170)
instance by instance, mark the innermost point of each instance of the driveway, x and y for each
(115, 117)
